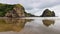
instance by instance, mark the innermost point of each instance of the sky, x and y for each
(36, 7)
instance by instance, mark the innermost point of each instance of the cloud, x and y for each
(9, 1)
(30, 4)
(56, 9)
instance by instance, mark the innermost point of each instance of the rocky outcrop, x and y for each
(48, 13)
(15, 10)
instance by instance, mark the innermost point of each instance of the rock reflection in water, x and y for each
(47, 22)
(12, 24)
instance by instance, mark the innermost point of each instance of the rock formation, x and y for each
(48, 13)
(15, 10)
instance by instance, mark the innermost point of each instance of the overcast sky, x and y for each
(37, 6)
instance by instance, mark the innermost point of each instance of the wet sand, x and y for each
(37, 27)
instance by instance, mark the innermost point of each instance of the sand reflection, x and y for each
(48, 22)
(12, 24)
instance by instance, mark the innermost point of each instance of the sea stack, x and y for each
(48, 13)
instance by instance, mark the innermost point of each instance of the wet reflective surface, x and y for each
(48, 22)
(29, 26)
(12, 24)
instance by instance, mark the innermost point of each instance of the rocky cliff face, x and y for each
(16, 10)
(48, 13)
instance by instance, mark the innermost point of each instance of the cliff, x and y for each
(16, 10)
(48, 13)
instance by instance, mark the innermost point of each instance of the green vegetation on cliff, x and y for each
(4, 8)
(14, 10)
(29, 15)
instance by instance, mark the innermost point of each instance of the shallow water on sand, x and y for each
(30, 25)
